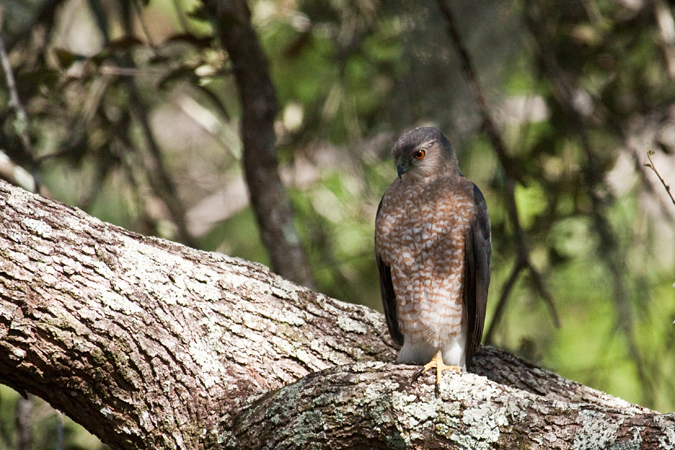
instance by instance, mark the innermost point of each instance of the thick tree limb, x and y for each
(153, 345)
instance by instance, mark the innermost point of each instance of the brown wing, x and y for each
(476, 273)
(388, 295)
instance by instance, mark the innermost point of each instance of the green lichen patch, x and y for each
(597, 431)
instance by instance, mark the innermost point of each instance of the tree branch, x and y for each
(257, 96)
(511, 172)
(651, 165)
(349, 406)
(21, 124)
(153, 345)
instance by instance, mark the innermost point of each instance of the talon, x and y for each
(418, 374)
(437, 362)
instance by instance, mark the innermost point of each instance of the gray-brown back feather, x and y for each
(477, 274)
(388, 297)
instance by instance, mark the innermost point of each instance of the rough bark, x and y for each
(257, 96)
(153, 345)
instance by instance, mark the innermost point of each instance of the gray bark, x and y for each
(153, 345)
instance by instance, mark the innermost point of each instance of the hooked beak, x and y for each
(401, 167)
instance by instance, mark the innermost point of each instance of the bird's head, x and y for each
(424, 153)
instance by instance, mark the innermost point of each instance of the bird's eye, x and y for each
(419, 154)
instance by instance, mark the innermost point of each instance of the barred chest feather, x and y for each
(420, 233)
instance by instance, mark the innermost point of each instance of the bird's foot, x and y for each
(437, 362)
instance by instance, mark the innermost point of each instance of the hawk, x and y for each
(432, 245)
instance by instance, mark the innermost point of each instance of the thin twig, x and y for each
(644, 179)
(185, 25)
(471, 77)
(21, 122)
(543, 292)
(651, 165)
(503, 299)
(158, 176)
(139, 12)
(21, 125)
(128, 71)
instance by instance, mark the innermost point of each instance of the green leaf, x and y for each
(67, 58)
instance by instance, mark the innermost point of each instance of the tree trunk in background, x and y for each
(153, 345)
(24, 424)
(257, 96)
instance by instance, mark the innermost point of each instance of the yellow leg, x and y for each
(437, 362)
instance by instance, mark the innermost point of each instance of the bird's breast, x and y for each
(420, 235)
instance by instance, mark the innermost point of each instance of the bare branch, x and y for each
(512, 173)
(21, 124)
(503, 299)
(652, 166)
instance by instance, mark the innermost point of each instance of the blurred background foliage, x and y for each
(133, 116)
